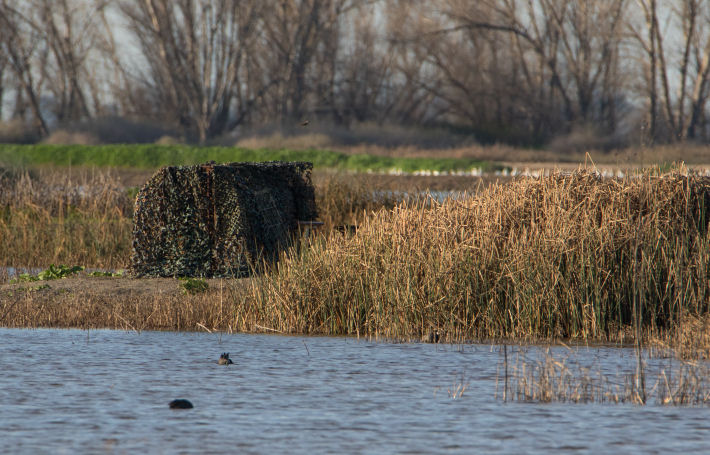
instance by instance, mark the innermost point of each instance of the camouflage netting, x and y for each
(215, 220)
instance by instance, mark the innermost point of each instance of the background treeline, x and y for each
(596, 73)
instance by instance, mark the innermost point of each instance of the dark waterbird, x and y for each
(433, 336)
(180, 404)
(224, 359)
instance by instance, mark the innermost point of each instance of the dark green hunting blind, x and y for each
(214, 220)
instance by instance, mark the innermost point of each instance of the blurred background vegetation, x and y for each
(563, 75)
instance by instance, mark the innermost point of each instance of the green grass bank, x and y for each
(154, 156)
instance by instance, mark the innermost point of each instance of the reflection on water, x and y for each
(68, 391)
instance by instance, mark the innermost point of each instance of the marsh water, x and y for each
(74, 391)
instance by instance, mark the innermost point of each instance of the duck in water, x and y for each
(224, 359)
(433, 336)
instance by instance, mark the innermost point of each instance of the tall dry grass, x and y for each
(688, 339)
(551, 257)
(84, 216)
(347, 199)
(71, 218)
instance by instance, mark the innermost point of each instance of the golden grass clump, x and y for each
(564, 256)
(688, 338)
(556, 379)
(691, 337)
(63, 218)
(551, 257)
(348, 199)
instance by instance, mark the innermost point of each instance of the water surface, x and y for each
(73, 391)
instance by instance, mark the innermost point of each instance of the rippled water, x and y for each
(72, 391)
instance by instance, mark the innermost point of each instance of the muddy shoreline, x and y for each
(107, 287)
(121, 303)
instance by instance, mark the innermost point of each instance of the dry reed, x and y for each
(564, 378)
(688, 339)
(81, 218)
(346, 200)
(159, 305)
(549, 257)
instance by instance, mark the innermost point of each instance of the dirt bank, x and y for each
(123, 303)
(106, 287)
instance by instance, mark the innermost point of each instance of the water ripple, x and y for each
(107, 392)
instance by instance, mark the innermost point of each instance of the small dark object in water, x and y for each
(224, 359)
(434, 336)
(180, 404)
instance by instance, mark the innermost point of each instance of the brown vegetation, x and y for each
(557, 257)
(121, 303)
(689, 339)
(84, 216)
(71, 218)
(565, 256)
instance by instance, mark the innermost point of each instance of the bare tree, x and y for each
(566, 51)
(3, 66)
(70, 29)
(681, 110)
(357, 82)
(468, 72)
(194, 50)
(408, 94)
(20, 44)
(47, 44)
(302, 40)
(517, 70)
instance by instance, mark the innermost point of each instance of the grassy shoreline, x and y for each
(229, 305)
(559, 257)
